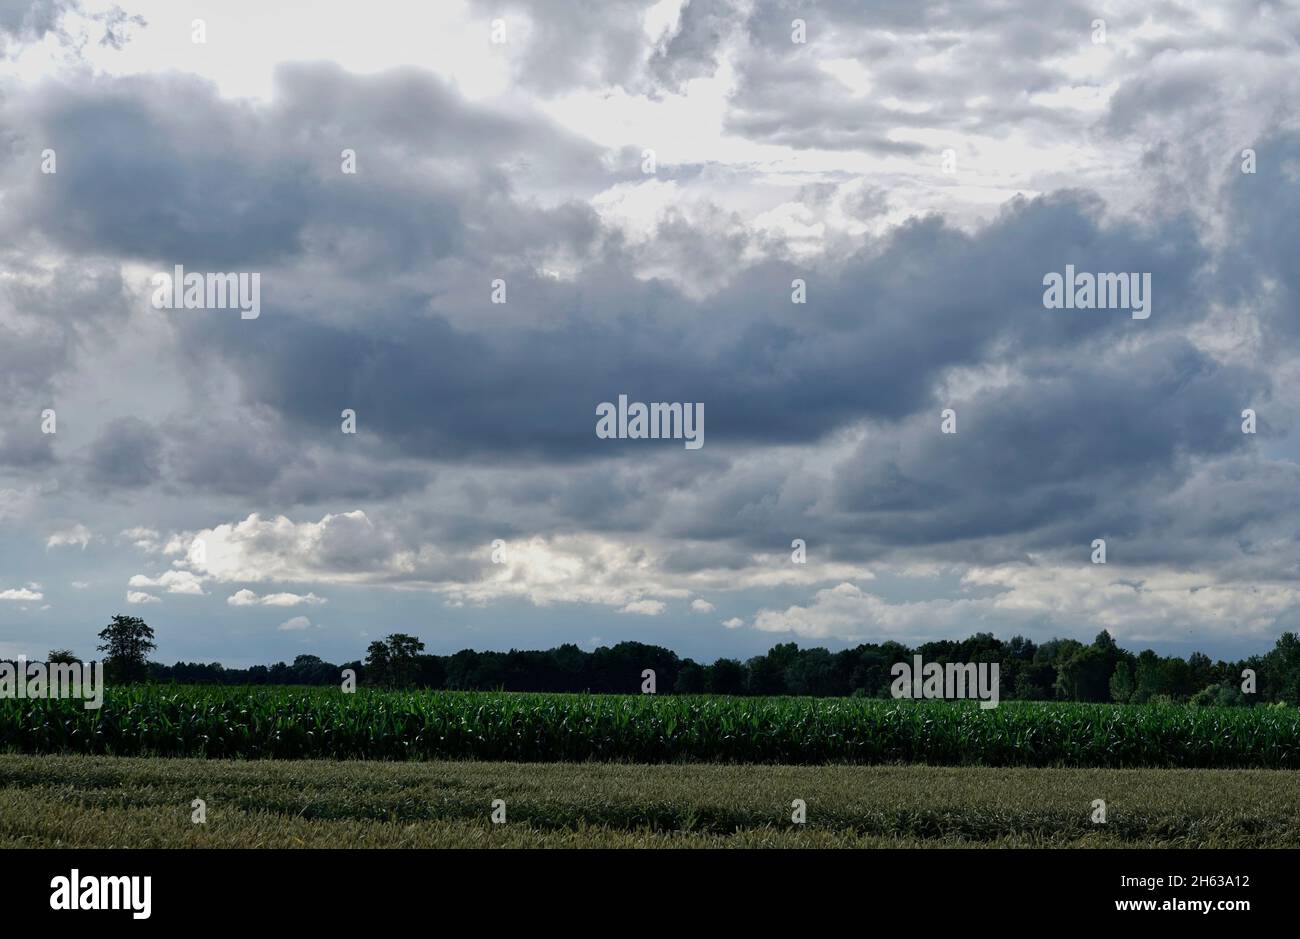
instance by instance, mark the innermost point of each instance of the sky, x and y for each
(827, 225)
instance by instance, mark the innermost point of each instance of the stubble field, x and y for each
(79, 801)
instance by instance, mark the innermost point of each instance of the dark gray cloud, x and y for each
(575, 45)
(49, 319)
(164, 170)
(1072, 451)
(1259, 271)
(31, 19)
(872, 340)
(430, 383)
(23, 21)
(127, 455)
(692, 50)
(278, 465)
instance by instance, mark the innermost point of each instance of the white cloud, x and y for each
(644, 607)
(701, 606)
(21, 593)
(1138, 603)
(1133, 604)
(76, 536)
(298, 622)
(847, 612)
(246, 597)
(292, 599)
(135, 596)
(349, 548)
(183, 582)
(15, 503)
(342, 548)
(145, 539)
(594, 569)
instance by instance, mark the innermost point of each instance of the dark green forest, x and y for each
(1057, 670)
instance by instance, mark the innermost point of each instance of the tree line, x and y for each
(1056, 670)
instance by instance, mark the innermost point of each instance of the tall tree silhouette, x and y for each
(127, 642)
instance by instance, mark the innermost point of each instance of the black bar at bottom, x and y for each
(333, 888)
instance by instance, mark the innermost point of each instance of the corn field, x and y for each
(298, 723)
